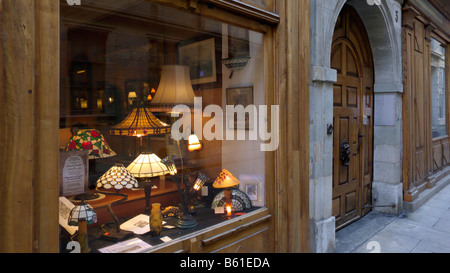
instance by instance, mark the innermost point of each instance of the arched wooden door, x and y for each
(353, 119)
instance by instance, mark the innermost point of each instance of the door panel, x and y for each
(353, 120)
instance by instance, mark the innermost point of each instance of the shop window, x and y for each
(135, 78)
(438, 91)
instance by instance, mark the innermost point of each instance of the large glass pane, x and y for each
(138, 81)
(438, 94)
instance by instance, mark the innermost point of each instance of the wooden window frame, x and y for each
(445, 44)
(30, 91)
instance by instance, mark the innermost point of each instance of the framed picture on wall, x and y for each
(200, 56)
(253, 187)
(240, 96)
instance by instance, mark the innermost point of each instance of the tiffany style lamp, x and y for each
(226, 181)
(146, 167)
(93, 141)
(82, 216)
(117, 178)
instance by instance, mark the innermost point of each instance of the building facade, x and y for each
(350, 115)
(390, 118)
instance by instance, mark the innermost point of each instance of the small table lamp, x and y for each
(194, 189)
(118, 178)
(147, 166)
(226, 181)
(82, 216)
(94, 142)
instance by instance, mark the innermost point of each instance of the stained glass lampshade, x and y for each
(170, 164)
(82, 212)
(117, 177)
(239, 200)
(174, 88)
(82, 216)
(139, 123)
(147, 165)
(91, 140)
(225, 180)
(201, 180)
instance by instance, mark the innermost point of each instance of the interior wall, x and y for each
(244, 157)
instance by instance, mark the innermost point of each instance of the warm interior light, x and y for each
(194, 144)
(228, 210)
(81, 71)
(100, 104)
(141, 122)
(197, 187)
(147, 165)
(132, 95)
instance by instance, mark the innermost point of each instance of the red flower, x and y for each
(106, 151)
(95, 152)
(94, 134)
(87, 145)
(72, 145)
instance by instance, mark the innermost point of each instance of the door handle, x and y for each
(344, 152)
(359, 139)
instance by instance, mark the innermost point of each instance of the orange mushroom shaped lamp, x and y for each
(226, 181)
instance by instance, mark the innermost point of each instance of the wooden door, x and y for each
(353, 119)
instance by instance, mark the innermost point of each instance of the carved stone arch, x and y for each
(383, 26)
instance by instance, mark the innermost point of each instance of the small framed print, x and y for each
(240, 96)
(253, 187)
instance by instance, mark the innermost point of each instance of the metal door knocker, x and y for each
(345, 152)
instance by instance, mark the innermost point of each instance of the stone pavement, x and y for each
(426, 230)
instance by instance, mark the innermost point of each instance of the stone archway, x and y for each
(383, 25)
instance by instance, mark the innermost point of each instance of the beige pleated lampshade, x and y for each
(174, 88)
(147, 165)
(140, 122)
(225, 180)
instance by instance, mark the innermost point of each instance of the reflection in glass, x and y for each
(438, 96)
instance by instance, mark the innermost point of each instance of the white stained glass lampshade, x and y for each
(118, 177)
(82, 212)
(147, 165)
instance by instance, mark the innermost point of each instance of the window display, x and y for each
(438, 92)
(170, 106)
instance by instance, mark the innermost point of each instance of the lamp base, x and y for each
(88, 196)
(115, 236)
(186, 221)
